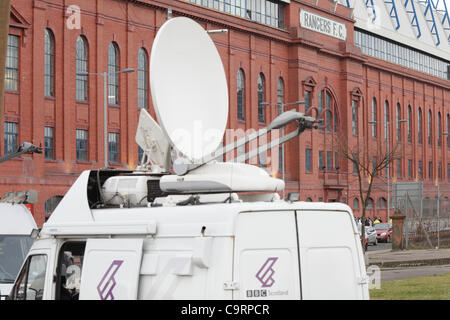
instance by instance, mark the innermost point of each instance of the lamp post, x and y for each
(281, 106)
(105, 102)
(387, 166)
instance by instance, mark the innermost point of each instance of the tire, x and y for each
(376, 242)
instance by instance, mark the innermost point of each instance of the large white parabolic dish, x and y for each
(189, 88)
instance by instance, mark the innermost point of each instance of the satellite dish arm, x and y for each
(303, 123)
(25, 147)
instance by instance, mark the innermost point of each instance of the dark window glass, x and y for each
(48, 143)
(308, 160)
(280, 95)
(307, 100)
(419, 126)
(419, 167)
(409, 124)
(49, 64)
(261, 98)
(82, 145)
(430, 170)
(81, 66)
(142, 79)
(11, 135)
(12, 64)
(439, 130)
(374, 118)
(430, 139)
(354, 117)
(240, 95)
(329, 160)
(321, 161)
(113, 147)
(410, 174)
(399, 132)
(355, 204)
(113, 75)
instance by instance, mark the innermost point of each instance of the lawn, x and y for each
(420, 288)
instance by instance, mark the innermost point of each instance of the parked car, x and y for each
(371, 236)
(384, 232)
(366, 244)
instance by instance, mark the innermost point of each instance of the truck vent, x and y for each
(153, 190)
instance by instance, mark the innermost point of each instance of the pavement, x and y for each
(408, 258)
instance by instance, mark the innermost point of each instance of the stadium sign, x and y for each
(317, 23)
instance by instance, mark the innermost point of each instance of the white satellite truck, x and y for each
(16, 227)
(197, 228)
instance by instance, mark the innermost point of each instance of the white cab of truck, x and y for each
(16, 225)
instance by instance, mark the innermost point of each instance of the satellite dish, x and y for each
(189, 88)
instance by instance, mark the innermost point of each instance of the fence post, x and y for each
(398, 219)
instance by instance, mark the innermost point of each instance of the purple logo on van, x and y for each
(264, 275)
(107, 284)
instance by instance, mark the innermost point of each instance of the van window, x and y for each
(30, 283)
(13, 250)
(70, 264)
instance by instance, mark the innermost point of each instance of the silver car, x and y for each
(371, 236)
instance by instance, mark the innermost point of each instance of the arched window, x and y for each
(430, 141)
(261, 98)
(386, 119)
(374, 118)
(49, 63)
(142, 79)
(81, 66)
(409, 124)
(419, 125)
(240, 95)
(381, 203)
(280, 95)
(399, 132)
(308, 199)
(328, 111)
(355, 204)
(439, 130)
(113, 75)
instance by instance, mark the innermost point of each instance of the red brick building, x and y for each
(268, 55)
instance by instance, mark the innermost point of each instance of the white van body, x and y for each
(238, 250)
(16, 224)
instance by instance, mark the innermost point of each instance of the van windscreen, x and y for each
(13, 250)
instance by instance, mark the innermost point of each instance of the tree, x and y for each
(368, 162)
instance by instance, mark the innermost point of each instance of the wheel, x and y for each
(376, 242)
(389, 239)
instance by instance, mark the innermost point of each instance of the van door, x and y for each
(266, 256)
(331, 261)
(111, 269)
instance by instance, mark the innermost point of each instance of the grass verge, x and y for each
(420, 288)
